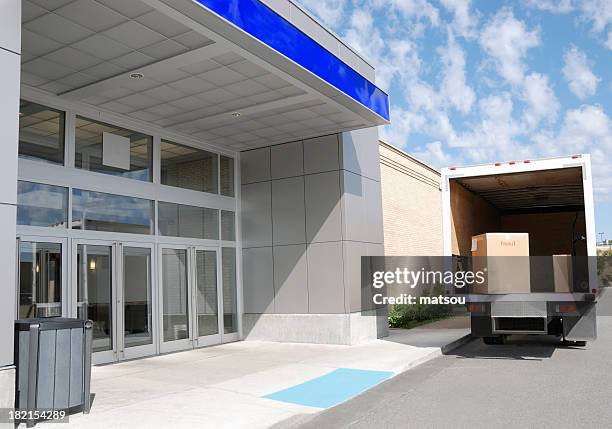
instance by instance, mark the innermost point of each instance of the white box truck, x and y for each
(552, 201)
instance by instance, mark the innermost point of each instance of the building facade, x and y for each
(412, 204)
(185, 173)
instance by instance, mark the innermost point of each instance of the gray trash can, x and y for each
(53, 360)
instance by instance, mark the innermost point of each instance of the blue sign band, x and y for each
(262, 23)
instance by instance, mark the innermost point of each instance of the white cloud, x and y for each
(364, 37)
(577, 72)
(392, 58)
(454, 87)
(410, 9)
(587, 129)
(555, 6)
(329, 11)
(495, 131)
(507, 41)
(541, 101)
(464, 22)
(598, 12)
(609, 41)
(435, 155)
(405, 123)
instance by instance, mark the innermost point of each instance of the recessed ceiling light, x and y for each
(236, 114)
(136, 75)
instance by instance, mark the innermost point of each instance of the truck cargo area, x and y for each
(546, 204)
(551, 201)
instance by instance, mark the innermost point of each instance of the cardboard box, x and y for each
(504, 260)
(562, 273)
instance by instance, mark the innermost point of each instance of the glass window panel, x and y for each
(167, 223)
(40, 279)
(211, 224)
(97, 211)
(206, 279)
(191, 221)
(95, 292)
(137, 307)
(230, 309)
(227, 176)
(178, 220)
(41, 133)
(88, 150)
(188, 167)
(228, 226)
(175, 294)
(42, 205)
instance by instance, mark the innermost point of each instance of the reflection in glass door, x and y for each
(175, 299)
(137, 297)
(114, 290)
(94, 273)
(206, 297)
(40, 267)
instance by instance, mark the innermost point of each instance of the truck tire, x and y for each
(493, 340)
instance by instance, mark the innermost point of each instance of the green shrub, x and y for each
(410, 315)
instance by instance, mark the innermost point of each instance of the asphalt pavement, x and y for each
(530, 382)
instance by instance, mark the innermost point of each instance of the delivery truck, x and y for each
(530, 226)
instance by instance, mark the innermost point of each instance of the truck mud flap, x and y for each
(582, 327)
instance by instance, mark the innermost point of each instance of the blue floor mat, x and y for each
(331, 389)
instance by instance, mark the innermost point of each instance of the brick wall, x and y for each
(412, 204)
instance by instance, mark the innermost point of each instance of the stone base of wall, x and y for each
(344, 329)
(7, 391)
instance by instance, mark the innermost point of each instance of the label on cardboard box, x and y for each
(474, 245)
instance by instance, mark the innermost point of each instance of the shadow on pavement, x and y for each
(515, 347)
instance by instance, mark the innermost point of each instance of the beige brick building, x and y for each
(412, 204)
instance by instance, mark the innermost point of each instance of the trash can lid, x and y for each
(49, 323)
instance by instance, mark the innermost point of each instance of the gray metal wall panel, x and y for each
(258, 280)
(323, 208)
(288, 214)
(287, 160)
(325, 278)
(290, 279)
(321, 154)
(10, 41)
(257, 215)
(359, 153)
(46, 369)
(255, 165)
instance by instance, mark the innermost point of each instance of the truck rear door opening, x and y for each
(550, 202)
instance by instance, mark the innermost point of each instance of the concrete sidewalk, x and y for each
(223, 386)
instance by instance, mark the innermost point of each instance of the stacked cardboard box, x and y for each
(504, 260)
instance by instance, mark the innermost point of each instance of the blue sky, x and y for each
(490, 80)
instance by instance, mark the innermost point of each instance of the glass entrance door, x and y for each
(113, 283)
(190, 297)
(208, 323)
(41, 280)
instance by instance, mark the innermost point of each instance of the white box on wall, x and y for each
(115, 151)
